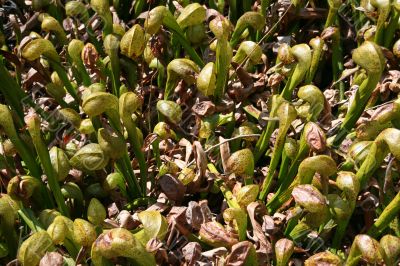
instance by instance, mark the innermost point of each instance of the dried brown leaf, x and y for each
(194, 215)
(225, 153)
(242, 253)
(204, 108)
(172, 187)
(214, 234)
(52, 258)
(264, 249)
(192, 253)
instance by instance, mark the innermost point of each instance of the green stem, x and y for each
(131, 71)
(286, 115)
(133, 138)
(380, 26)
(27, 156)
(83, 73)
(341, 229)
(228, 195)
(316, 56)
(33, 125)
(262, 143)
(357, 107)
(391, 29)
(115, 71)
(330, 20)
(64, 78)
(233, 11)
(156, 152)
(9, 88)
(264, 5)
(71, 247)
(246, 5)
(222, 63)
(388, 214)
(133, 182)
(170, 22)
(284, 167)
(30, 220)
(139, 5)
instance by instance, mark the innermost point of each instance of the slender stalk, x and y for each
(9, 89)
(321, 164)
(126, 170)
(391, 29)
(137, 149)
(111, 46)
(388, 214)
(317, 45)
(16, 97)
(224, 189)
(171, 23)
(138, 7)
(33, 125)
(133, 182)
(30, 220)
(64, 78)
(286, 114)
(83, 73)
(264, 6)
(369, 56)
(384, 10)
(302, 53)
(222, 63)
(387, 141)
(337, 63)
(115, 70)
(233, 11)
(156, 151)
(284, 167)
(288, 178)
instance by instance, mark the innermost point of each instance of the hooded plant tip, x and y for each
(170, 110)
(369, 56)
(241, 163)
(99, 102)
(133, 42)
(38, 47)
(192, 14)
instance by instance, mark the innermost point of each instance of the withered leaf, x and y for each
(201, 158)
(214, 234)
(52, 258)
(172, 187)
(225, 153)
(264, 246)
(194, 215)
(204, 108)
(243, 253)
(192, 253)
(325, 258)
(205, 210)
(309, 198)
(315, 138)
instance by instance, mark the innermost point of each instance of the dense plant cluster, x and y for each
(199, 132)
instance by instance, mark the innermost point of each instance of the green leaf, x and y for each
(155, 225)
(34, 248)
